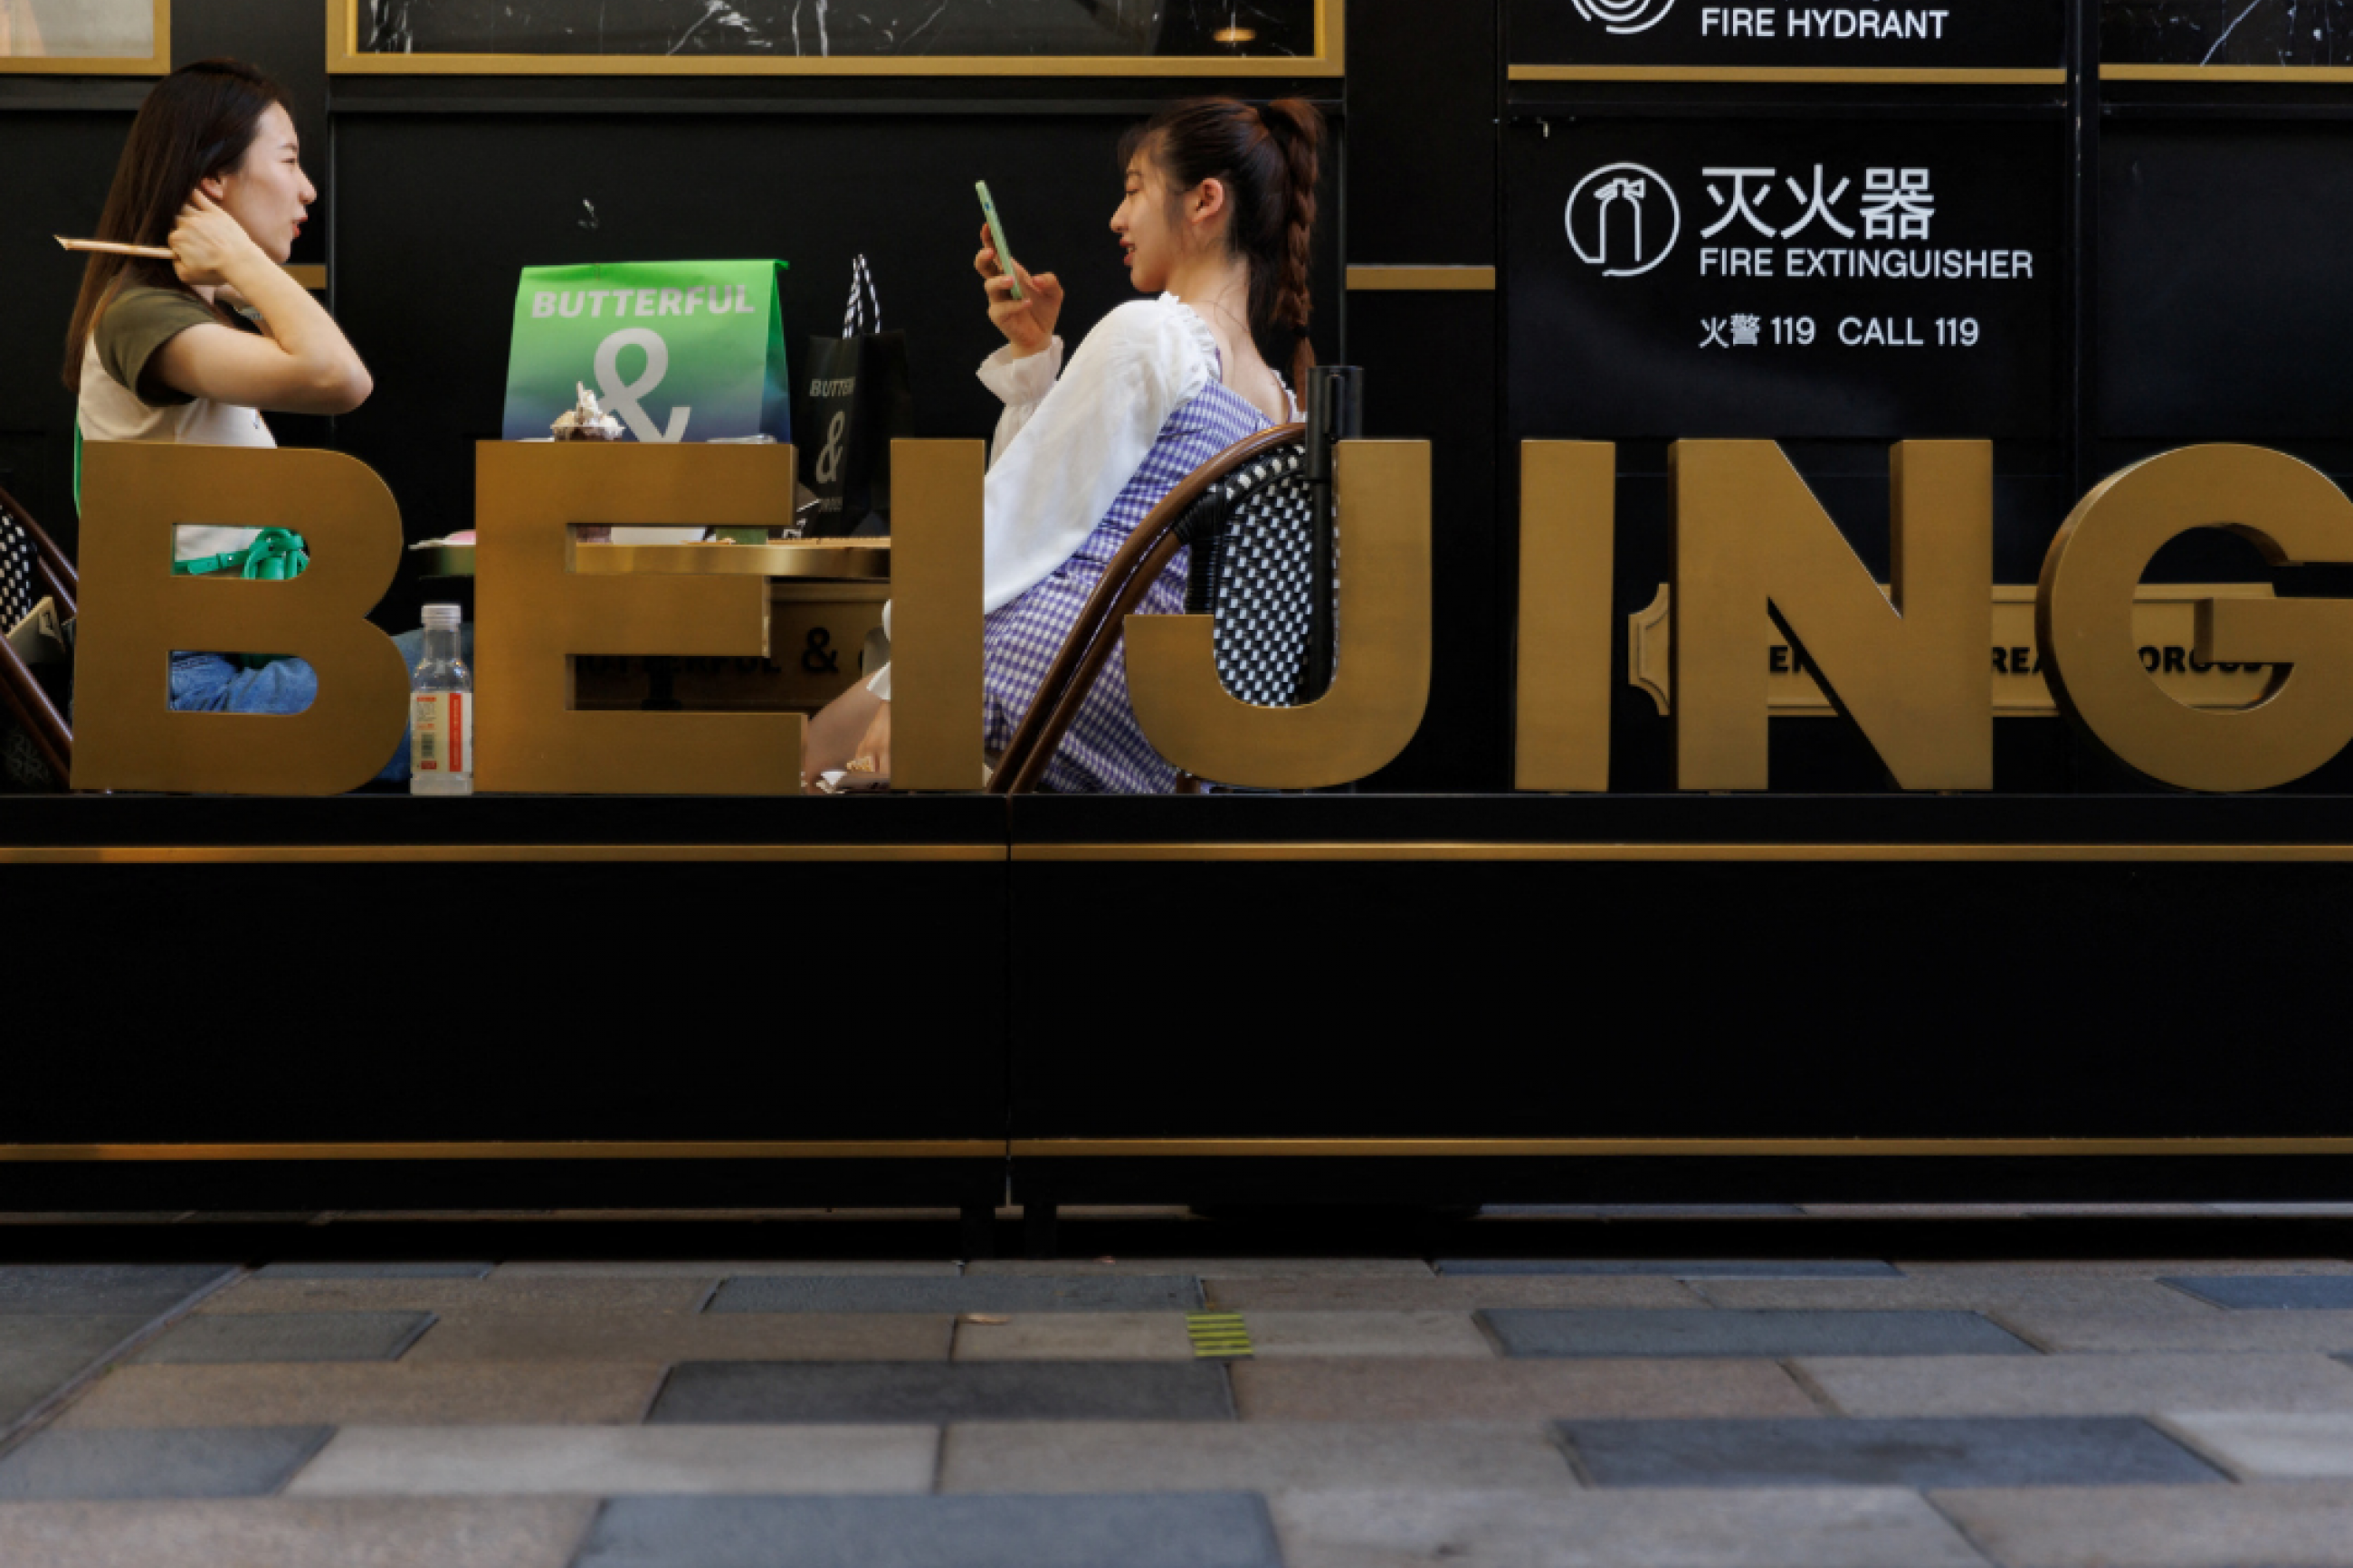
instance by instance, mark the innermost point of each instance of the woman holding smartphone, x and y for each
(1218, 223)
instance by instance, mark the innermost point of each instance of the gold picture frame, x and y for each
(2126, 71)
(346, 57)
(156, 63)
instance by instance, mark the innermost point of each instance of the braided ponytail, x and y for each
(1298, 128)
(1268, 160)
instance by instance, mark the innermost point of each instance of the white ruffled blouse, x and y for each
(1070, 438)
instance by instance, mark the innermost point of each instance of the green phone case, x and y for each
(996, 235)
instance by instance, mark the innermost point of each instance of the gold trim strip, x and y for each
(2125, 72)
(1913, 75)
(854, 1149)
(346, 58)
(1429, 279)
(1187, 1148)
(157, 64)
(518, 854)
(2031, 853)
(311, 275)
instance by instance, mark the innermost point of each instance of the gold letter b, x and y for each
(135, 613)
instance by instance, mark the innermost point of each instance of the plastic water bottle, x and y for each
(441, 711)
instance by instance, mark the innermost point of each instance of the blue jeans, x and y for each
(214, 683)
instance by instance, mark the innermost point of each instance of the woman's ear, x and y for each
(1208, 199)
(213, 187)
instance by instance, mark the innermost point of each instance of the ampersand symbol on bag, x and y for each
(621, 397)
(829, 461)
(815, 657)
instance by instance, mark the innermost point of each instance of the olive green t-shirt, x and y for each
(116, 407)
(137, 321)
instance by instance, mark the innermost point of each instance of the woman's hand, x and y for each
(1027, 323)
(874, 746)
(206, 243)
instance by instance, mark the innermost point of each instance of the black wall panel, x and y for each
(1421, 185)
(57, 163)
(2223, 309)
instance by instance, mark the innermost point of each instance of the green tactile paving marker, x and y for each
(1218, 1336)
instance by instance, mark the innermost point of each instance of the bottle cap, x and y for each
(442, 617)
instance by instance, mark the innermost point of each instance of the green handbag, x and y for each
(275, 555)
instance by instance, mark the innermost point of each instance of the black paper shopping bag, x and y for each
(853, 399)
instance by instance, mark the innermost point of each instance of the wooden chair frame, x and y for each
(1129, 577)
(20, 690)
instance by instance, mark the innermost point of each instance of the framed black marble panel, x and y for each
(86, 38)
(894, 37)
(2172, 38)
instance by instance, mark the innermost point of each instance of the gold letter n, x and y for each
(1908, 666)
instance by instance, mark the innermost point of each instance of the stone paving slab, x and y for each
(39, 1355)
(1075, 1336)
(712, 1272)
(275, 1532)
(2209, 1329)
(2121, 1267)
(1636, 1211)
(1378, 1294)
(102, 1289)
(1827, 1527)
(1529, 1332)
(789, 1392)
(1203, 1530)
(391, 1270)
(1207, 1268)
(372, 1394)
(1514, 1390)
(2268, 1445)
(1966, 1293)
(1724, 1269)
(612, 1461)
(186, 1462)
(447, 1297)
(1421, 1335)
(677, 1336)
(2244, 1292)
(1265, 1456)
(2120, 1385)
(2308, 1524)
(2079, 1450)
(997, 1293)
(287, 1336)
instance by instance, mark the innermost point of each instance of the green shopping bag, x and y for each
(678, 351)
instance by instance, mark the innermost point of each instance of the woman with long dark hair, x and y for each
(213, 171)
(1217, 221)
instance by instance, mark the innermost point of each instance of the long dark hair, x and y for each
(1267, 160)
(198, 122)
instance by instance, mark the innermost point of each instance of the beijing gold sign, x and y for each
(1774, 610)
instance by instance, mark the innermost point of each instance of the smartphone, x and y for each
(996, 235)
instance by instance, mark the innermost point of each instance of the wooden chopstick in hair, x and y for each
(152, 252)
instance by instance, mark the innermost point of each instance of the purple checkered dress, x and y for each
(1104, 752)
